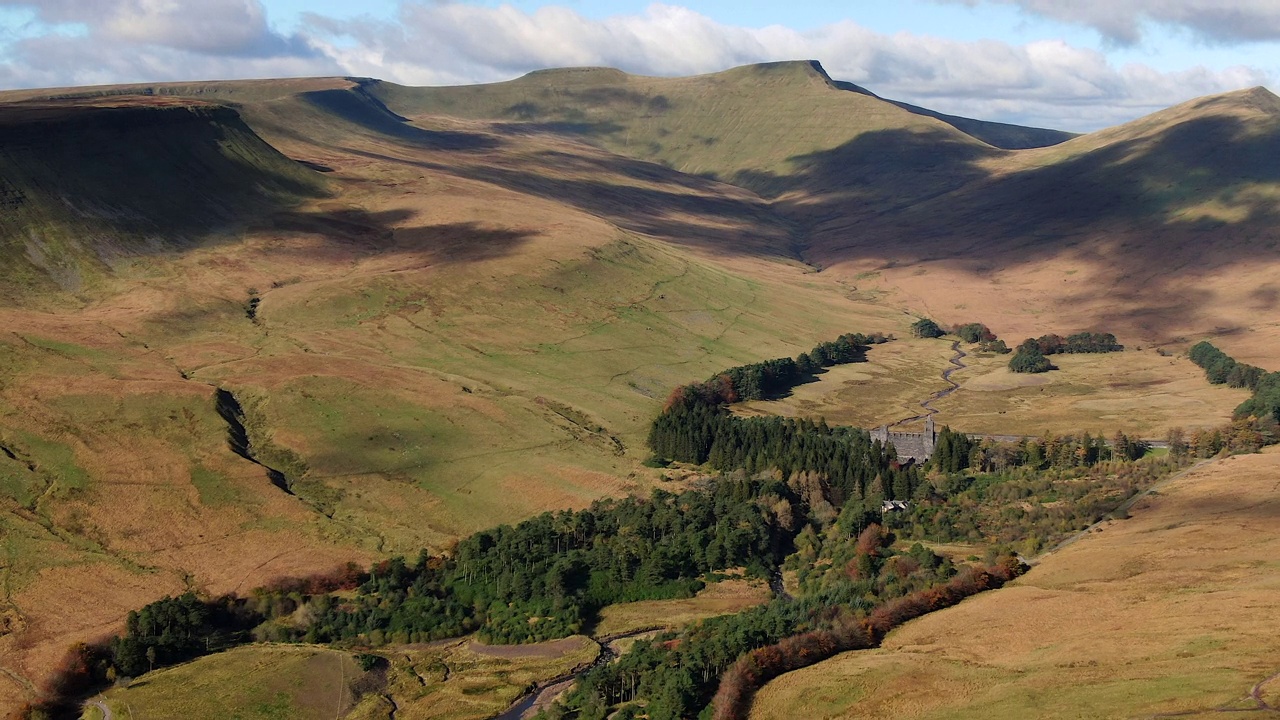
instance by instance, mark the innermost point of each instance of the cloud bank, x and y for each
(1048, 83)
(1123, 21)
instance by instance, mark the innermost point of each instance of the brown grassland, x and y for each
(1138, 391)
(1170, 611)
(465, 319)
(443, 354)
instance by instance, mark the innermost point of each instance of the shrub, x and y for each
(926, 328)
(1029, 359)
(975, 332)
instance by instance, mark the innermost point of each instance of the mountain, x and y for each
(433, 310)
(1161, 227)
(750, 126)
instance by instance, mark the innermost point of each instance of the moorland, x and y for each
(257, 330)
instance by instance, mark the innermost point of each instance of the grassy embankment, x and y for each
(449, 681)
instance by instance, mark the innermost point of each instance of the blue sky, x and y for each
(1076, 65)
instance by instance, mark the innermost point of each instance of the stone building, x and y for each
(914, 446)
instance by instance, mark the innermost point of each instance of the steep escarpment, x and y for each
(86, 185)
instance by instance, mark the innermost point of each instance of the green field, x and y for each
(445, 681)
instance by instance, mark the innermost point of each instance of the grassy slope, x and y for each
(758, 126)
(1161, 230)
(1153, 229)
(267, 682)
(1168, 612)
(443, 348)
(468, 322)
(89, 184)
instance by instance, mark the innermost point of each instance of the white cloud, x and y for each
(61, 61)
(215, 27)
(1121, 21)
(432, 43)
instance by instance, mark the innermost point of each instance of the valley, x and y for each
(442, 310)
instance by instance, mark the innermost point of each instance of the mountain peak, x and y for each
(588, 75)
(1252, 100)
(783, 69)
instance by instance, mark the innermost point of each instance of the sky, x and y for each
(1070, 64)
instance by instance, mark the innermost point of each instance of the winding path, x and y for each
(927, 404)
(101, 704)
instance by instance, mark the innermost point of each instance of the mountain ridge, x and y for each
(443, 309)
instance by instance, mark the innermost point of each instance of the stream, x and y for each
(544, 692)
(927, 403)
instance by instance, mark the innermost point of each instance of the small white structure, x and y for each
(894, 506)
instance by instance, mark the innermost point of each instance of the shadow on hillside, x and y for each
(559, 127)
(691, 213)
(386, 232)
(708, 216)
(565, 115)
(896, 198)
(358, 107)
(876, 173)
(1127, 186)
(142, 179)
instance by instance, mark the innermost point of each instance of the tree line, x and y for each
(696, 426)
(1220, 368)
(1032, 355)
(974, 333)
(546, 577)
(771, 378)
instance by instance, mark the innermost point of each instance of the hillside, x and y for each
(452, 327)
(1165, 213)
(758, 126)
(1163, 614)
(442, 309)
(1162, 228)
(87, 184)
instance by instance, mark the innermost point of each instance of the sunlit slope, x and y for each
(87, 186)
(759, 126)
(1197, 168)
(461, 327)
(1169, 613)
(1158, 229)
